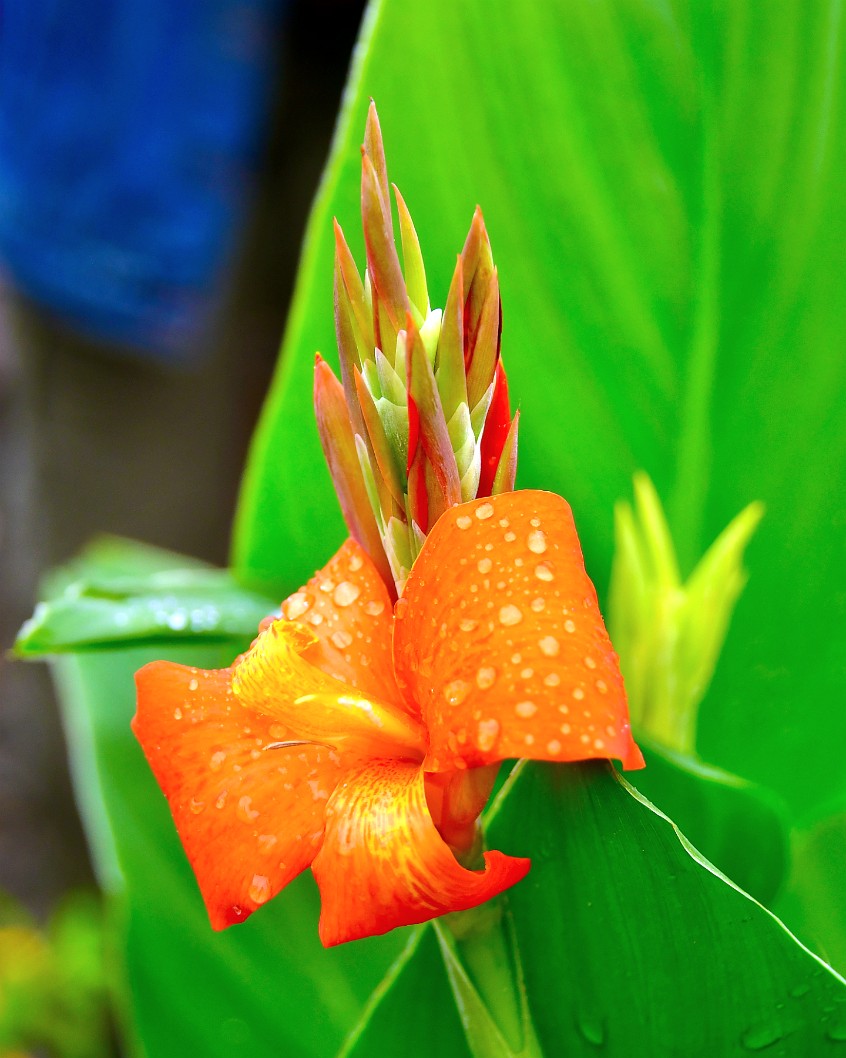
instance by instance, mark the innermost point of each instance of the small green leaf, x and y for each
(112, 609)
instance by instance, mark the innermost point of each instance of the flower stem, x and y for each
(482, 959)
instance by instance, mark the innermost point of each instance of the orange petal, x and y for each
(275, 680)
(250, 817)
(347, 607)
(499, 638)
(383, 864)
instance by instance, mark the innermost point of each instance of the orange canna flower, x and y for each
(360, 738)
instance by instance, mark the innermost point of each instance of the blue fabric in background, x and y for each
(128, 136)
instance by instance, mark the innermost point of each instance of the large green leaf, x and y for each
(662, 181)
(738, 826)
(632, 943)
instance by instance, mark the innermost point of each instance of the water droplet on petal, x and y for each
(196, 806)
(486, 734)
(484, 511)
(543, 572)
(484, 565)
(245, 811)
(346, 593)
(550, 646)
(485, 677)
(569, 626)
(401, 609)
(315, 618)
(217, 760)
(565, 729)
(374, 608)
(177, 713)
(193, 685)
(578, 694)
(510, 537)
(463, 521)
(266, 842)
(356, 562)
(456, 691)
(536, 542)
(538, 605)
(341, 638)
(510, 615)
(554, 746)
(259, 890)
(591, 664)
(296, 605)
(552, 679)
(525, 709)
(467, 624)
(602, 686)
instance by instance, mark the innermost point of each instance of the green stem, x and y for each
(484, 969)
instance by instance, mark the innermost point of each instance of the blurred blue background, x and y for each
(157, 161)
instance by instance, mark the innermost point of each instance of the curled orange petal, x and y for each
(499, 638)
(249, 816)
(383, 864)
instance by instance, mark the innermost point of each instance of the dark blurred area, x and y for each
(157, 163)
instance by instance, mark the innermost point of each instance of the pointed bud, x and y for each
(669, 634)
(336, 438)
(383, 264)
(412, 258)
(496, 429)
(506, 472)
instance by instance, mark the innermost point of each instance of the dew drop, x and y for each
(538, 605)
(578, 694)
(602, 686)
(525, 709)
(589, 661)
(484, 511)
(504, 523)
(510, 537)
(486, 734)
(456, 691)
(510, 615)
(552, 679)
(346, 593)
(598, 744)
(196, 806)
(341, 638)
(315, 618)
(356, 562)
(245, 811)
(193, 685)
(177, 713)
(400, 609)
(221, 801)
(553, 746)
(259, 890)
(536, 542)
(570, 625)
(484, 565)
(550, 646)
(485, 677)
(266, 843)
(467, 624)
(543, 572)
(565, 729)
(374, 608)
(217, 759)
(757, 1039)
(296, 605)
(526, 674)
